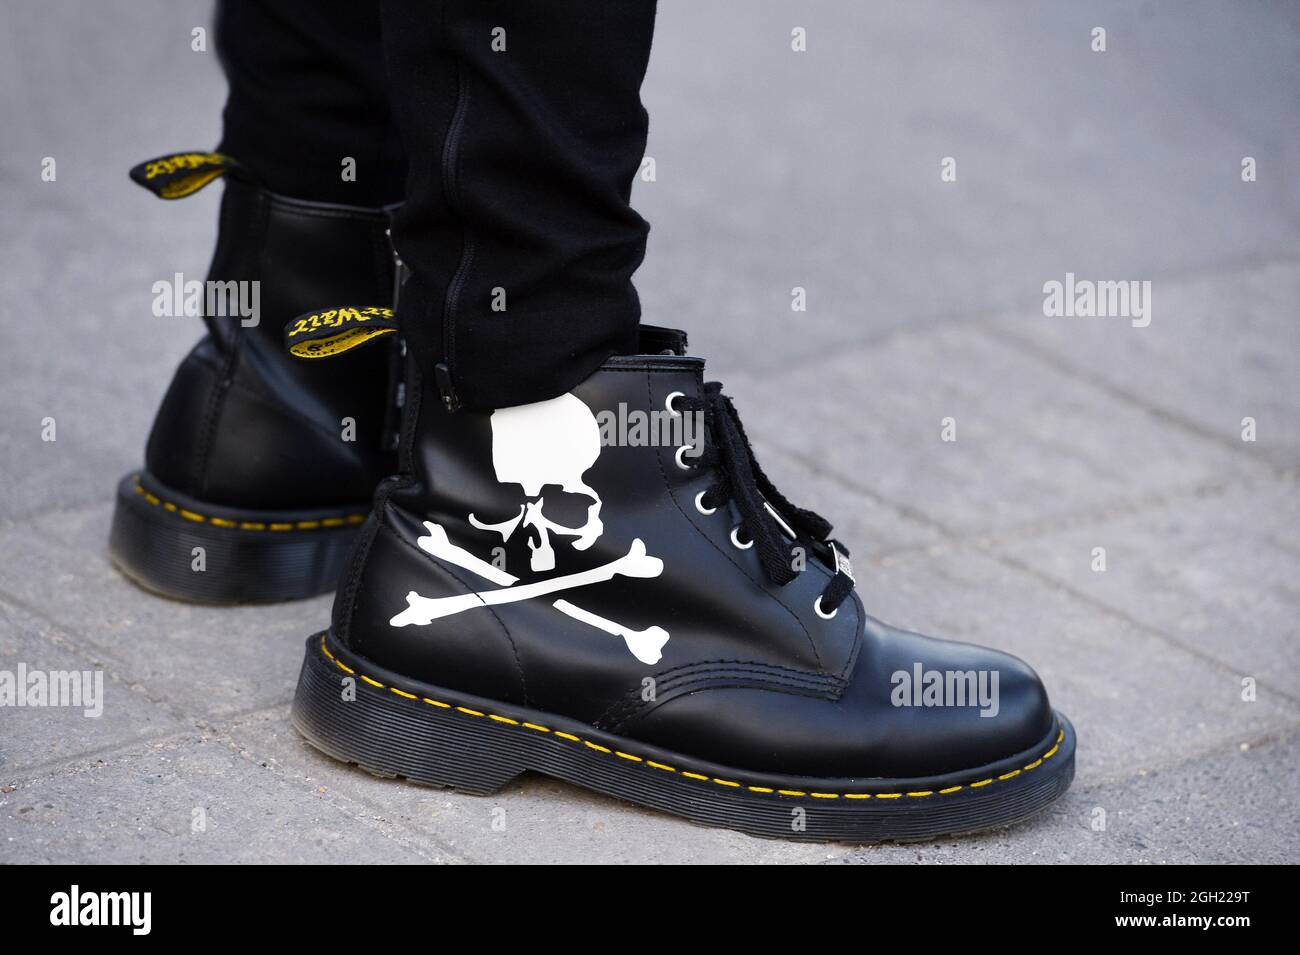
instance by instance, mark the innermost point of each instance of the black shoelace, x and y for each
(738, 478)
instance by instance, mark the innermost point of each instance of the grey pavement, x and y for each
(775, 169)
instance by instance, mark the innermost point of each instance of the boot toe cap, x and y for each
(880, 727)
(950, 706)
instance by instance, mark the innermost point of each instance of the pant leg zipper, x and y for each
(443, 375)
(397, 365)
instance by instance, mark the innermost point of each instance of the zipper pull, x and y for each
(441, 373)
(400, 270)
(442, 376)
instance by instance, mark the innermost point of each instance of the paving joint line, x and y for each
(1054, 361)
(70, 640)
(1275, 736)
(1221, 665)
(203, 726)
(93, 759)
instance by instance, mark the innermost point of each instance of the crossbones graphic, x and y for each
(550, 443)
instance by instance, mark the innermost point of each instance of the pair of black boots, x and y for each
(648, 618)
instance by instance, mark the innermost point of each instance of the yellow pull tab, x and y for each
(177, 175)
(333, 331)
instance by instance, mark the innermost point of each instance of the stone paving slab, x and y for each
(205, 661)
(53, 735)
(140, 806)
(1214, 353)
(92, 356)
(80, 254)
(866, 523)
(1230, 807)
(1219, 573)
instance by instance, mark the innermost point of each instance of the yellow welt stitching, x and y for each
(198, 518)
(689, 775)
(337, 662)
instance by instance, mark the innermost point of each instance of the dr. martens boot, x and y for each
(260, 467)
(605, 588)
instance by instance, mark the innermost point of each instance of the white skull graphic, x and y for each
(547, 443)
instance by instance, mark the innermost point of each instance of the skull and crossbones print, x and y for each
(546, 444)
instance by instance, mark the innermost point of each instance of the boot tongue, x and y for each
(662, 341)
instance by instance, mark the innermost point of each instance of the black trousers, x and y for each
(510, 130)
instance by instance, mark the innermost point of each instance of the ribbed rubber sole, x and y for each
(390, 726)
(246, 557)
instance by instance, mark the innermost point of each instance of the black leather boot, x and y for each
(260, 468)
(656, 624)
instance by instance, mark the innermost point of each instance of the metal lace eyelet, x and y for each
(735, 539)
(668, 403)
(678, 457)
(699, 505)
(817, 609)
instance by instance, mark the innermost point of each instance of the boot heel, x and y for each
(243, 556)
(354, 718)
